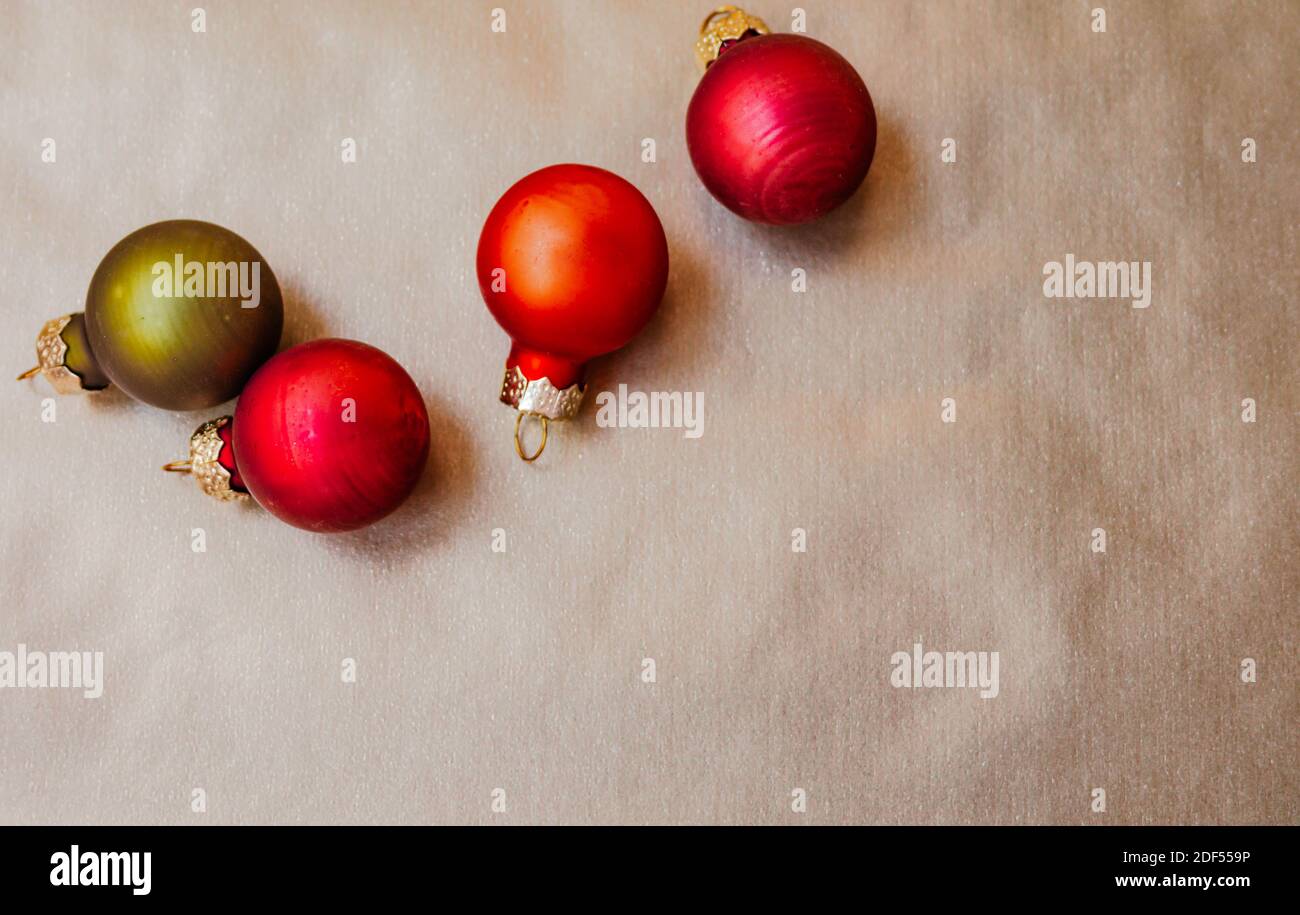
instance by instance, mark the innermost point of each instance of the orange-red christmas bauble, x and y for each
(572, 262)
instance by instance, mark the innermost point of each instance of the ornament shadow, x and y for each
(302, 320)
(434, 513)
(669, 352)
(113, 400)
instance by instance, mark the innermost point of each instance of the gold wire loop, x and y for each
(519, 447)
(178, 467)
(29, 373)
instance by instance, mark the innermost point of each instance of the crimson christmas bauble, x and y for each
(572, 262)
(781, 128)
(330, 435)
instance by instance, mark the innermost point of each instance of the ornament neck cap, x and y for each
(52, 359)
(539, 396)
(722, 27)
(205, 465)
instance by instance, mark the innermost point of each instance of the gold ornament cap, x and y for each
(540, 400)
(204, 463)
(726, 23)
(540, 397)
(51, 359)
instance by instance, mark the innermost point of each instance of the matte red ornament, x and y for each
(572, 263)
(330, 435)
(781, 128)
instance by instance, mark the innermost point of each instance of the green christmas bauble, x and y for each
(179, 314)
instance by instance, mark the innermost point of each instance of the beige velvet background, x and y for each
(522, 670)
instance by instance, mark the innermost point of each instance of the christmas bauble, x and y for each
(781, 128)
(330, 435)
(179, 314)
(572, 262)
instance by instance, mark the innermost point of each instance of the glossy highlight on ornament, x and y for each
(572, 262)
(781, 128)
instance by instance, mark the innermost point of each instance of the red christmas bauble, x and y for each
(572, 263)
(330, 435)
(781, 128)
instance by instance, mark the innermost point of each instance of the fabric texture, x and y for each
(511, 687)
